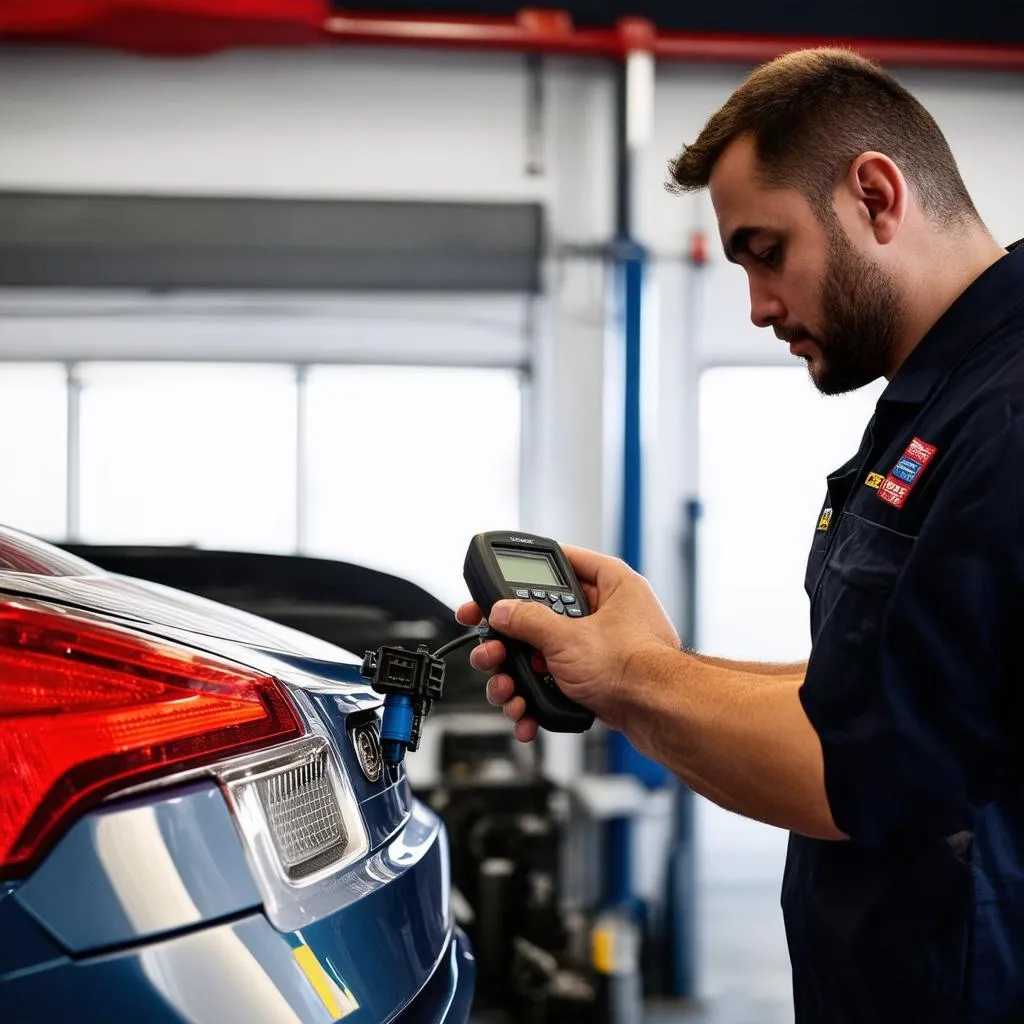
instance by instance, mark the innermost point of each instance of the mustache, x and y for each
(790, 334)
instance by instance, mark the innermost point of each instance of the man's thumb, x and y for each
(521, 620)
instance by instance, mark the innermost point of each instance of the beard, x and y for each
(860, 320)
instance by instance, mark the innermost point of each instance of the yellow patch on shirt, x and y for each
(874, 480)
(825, 519)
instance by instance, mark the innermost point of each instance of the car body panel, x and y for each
(381, 948)
(138, 869)
(24, 945)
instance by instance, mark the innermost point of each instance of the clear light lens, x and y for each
(305, 819)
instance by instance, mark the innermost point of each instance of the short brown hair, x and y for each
(811, 112)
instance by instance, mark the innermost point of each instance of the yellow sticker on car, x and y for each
(337, 999)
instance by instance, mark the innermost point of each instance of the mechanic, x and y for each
(894, 755)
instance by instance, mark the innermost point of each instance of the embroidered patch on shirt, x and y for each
(895, 488)
(825, 518)
(874, 480)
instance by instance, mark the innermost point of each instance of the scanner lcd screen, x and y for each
(519, 567)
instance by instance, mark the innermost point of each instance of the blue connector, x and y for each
(396, 727)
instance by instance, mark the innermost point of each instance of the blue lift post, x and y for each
(623, 759)
(629, 261)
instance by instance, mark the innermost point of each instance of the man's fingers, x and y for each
(585, 562)
(515, 708)
(487, 656)
(526, 730)
(469, 614)
(499, 690)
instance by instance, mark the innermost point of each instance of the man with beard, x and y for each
(894, 756)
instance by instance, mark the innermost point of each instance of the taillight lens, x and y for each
(87, 708)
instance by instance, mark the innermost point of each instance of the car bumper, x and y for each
(243, 971)
(72, 945)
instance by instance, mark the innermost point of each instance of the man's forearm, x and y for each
(754, 668)
(741, 739)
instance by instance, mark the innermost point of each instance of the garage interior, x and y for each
(294, 301)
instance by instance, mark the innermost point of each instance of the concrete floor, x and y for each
(742, 964)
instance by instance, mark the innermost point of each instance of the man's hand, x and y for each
(588, 657)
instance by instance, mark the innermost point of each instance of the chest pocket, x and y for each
(861, 566)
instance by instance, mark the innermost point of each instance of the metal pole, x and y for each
(301, 460)
(632, 272)
(534, 115)
(74, 446)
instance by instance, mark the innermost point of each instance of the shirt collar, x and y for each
(976, 312)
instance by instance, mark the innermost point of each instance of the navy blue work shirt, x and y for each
(914, 687)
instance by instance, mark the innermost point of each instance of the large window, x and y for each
(188, 453)
(33, 447)
(407, 463)
(393, 467)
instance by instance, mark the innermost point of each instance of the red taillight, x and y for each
(87, 708)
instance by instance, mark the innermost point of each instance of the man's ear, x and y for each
(881, 193)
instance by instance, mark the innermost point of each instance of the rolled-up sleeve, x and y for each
(913, 685)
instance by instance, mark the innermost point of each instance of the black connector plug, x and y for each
(396, 670)
(410, 681)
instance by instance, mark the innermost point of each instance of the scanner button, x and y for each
(539, 594)
(538, 664)
(569, 598)
(558, 607)
(575, 613)
(523, 595)
(552, 596)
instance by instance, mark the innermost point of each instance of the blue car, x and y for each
(196, 824)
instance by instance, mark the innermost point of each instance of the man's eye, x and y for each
(770, 256)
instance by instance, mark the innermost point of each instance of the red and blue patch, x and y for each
(896, 487)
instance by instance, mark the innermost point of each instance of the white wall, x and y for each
(332, 123)
(350, 123)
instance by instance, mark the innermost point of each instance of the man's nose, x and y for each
(766, 308)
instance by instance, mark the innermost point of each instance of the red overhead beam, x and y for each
(165, 27)
(189, 27)
(895, 53)
(531, 31)
(553, 32)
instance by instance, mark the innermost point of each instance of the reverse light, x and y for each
(300, 822)
(304, 816)
(87, 708)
